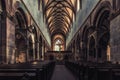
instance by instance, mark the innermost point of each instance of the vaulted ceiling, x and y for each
(59, 15)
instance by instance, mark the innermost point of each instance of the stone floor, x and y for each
(62, 73)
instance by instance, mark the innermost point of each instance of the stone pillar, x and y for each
(75, 51)
(96, 46)
(108, 53)
(27, 51)
(96, 57)
(72, 47)
(84, 51)
(38, 50)
(33, 51)
(3, 37)
(43, 51)
(10, 41)
(88, 49)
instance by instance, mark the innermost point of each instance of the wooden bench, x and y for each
(26, 71)
(94, 71)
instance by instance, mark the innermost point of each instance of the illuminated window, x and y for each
(40, 5)
(58, 45)
(78, 5)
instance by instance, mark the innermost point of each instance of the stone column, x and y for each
(3, 37)
(33, 51)
(43, 51)
(38, 50)
(75, 50)
(27, 51)
(96, 45)
(72, 46)
(88, 49)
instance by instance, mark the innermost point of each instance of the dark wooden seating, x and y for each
(94, 71)
(27, 71)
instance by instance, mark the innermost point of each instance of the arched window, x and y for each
(78, 5)
(40, 5)
(58, 45)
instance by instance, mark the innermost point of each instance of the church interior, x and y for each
(59, 39)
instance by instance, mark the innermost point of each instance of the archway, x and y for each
(58, 43)
(86, 35)
(78, 53)
(102, 23)
(103, 46)
(92, 49)
(103, 35)
(31, 48)
(33, 41)
(21, 47)
(84, 43)
(21, 37)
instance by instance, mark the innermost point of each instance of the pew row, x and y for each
(27, 71)
(94, 71)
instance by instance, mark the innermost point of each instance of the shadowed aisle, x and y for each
(62, 73)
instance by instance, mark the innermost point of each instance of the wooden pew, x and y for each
(26, 71)
(94, 71)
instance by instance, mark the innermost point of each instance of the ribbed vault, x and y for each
(59, 15)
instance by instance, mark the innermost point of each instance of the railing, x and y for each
(94, 71)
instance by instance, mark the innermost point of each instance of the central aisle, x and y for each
(62, 73)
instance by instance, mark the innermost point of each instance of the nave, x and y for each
(62, 73)
(68, 70)
(36, 71)
(59, 39)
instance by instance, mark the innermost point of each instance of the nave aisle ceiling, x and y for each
(59, 15)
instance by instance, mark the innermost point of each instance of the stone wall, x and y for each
(82, 14)
(32, 6)
(115, 39)
(10, 46)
